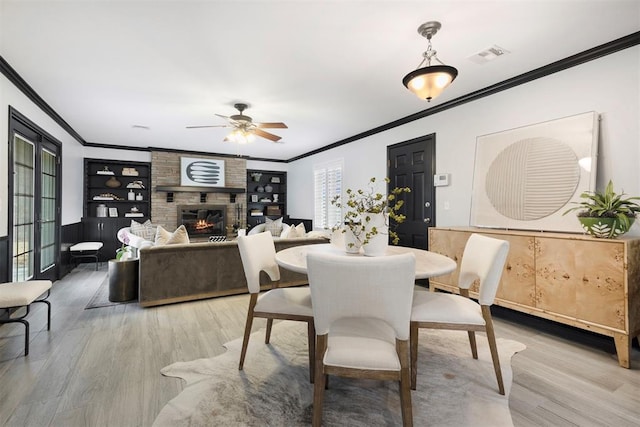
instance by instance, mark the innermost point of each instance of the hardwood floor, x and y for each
(101, 367)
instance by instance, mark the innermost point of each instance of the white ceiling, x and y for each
(328, 69)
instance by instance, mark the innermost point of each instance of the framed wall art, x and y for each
(526, 178)
(201, 172)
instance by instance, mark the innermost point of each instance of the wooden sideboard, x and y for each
(575, 279)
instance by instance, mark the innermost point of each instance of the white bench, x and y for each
(86, 250)
(22, 294)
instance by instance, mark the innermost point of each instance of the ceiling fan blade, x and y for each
(207, 126)
(220, 115)
(267, 135)
(274, 125)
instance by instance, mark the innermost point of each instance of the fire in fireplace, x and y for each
(203, 219)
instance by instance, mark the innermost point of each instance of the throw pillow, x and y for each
(274, 226)
(295, 232)
(286, 231)
(301, 230)
(146, 230)
(163, 237)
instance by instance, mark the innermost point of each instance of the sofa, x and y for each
(186, 272)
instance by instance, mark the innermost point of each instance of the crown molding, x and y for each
(28, 91)
(563, 64)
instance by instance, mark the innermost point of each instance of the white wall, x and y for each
(72, 154)
(609, 86)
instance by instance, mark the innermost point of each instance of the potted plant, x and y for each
(368, 215)
(125, 251)
(606, 215)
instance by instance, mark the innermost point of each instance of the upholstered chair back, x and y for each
(483, 259)
(258, 253)
(362, 287)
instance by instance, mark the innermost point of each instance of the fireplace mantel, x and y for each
(170, 189)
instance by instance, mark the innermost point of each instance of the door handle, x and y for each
(427, 220)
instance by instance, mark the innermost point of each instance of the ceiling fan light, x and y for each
(429, 82)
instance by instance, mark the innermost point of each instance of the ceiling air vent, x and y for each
(488, 54)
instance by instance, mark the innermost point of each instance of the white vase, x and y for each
(377, 244)
(352, 244)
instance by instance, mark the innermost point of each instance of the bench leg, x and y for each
(48, 312)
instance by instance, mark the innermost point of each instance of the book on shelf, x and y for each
(105, 173)
(133, 214)
(102, 198)
(256, 213)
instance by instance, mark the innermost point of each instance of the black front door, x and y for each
(412, 164)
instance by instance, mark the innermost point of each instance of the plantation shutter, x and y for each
(327, 180)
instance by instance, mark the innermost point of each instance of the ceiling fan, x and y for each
(244, 127)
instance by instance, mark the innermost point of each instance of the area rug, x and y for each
(101, 297)
(274, 389)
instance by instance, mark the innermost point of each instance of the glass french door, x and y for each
(35, 215)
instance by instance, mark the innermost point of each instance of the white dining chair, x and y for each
(482, 261)
(361, 307)
(258, 254)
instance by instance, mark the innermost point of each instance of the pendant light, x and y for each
(429, 82)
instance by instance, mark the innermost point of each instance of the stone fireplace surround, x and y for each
(165, 171)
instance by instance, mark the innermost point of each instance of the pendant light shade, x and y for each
(429, 82)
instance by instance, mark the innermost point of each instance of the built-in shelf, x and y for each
(170, 189)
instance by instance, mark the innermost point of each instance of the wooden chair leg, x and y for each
(472, 343)
(267, 336)
(413, 339)
(405, 383)
(311, 337)
(319, 385)
(491, 336)
(247, 329)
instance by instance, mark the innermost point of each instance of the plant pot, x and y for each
(377, 228)
(605, 228)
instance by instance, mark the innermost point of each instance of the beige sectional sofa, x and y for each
(186, 272)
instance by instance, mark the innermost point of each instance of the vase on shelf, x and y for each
(113, 182)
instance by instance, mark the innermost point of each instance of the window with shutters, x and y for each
(327, 178)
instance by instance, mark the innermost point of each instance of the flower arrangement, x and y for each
(125, 251)
(363, 204)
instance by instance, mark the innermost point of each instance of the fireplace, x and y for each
(203, 219)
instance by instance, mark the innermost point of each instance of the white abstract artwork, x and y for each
(201, 172)
(526, 178)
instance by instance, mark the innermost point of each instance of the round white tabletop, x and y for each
(428, 264)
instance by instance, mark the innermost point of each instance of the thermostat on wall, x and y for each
(440, 179)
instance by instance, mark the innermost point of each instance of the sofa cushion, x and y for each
(294, 232)
(164, 237)
(146, 230)
(274, 226)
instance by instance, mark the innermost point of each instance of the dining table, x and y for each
(428, 264)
